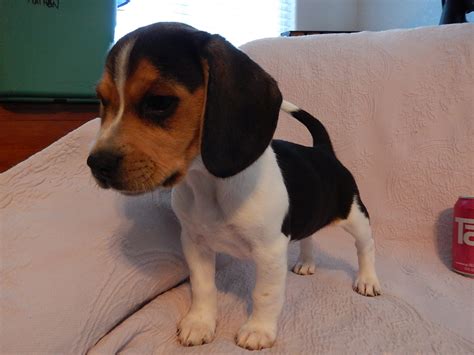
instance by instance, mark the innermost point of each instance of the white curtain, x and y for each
(239, 21)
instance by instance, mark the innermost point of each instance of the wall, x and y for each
(372, 15)
(378, 15)
(326, 15)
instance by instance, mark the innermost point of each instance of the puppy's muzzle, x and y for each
(105, 166)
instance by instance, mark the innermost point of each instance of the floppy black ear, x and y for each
(243, 103)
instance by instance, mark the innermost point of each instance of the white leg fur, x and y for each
(198, 326)
(260, 330)
(305, 264)
(358, 225)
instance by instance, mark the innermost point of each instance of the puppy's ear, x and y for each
(242, 108)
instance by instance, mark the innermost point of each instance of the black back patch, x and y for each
(320, 189)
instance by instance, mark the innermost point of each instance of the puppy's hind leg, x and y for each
(357, 224)
(305, 264)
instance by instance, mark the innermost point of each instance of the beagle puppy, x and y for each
(185, 109)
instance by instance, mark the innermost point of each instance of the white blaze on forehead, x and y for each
(121, 66)
(120, 78)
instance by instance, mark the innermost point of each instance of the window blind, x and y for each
(239, 21)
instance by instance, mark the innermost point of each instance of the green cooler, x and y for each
(53, 50)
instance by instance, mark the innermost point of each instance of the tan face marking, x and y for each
(154, 153)
(118, 85)
(109, 99)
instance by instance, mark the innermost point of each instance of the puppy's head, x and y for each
(169, 93)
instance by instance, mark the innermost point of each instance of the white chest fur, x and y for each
(236, 214)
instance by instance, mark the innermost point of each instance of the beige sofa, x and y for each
(83, 269)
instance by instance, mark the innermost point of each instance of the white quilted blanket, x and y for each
(76, 261)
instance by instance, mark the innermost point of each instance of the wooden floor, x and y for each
(26, 128)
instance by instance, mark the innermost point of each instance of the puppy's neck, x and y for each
(200, 187)
(248, 177)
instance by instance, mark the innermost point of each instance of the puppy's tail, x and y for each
(314, 126)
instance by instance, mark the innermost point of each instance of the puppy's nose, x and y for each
(104, 164)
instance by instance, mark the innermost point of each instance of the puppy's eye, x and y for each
(159, 107)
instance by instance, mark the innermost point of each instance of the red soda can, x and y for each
(463, 236)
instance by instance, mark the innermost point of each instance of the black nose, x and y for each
(104, 164)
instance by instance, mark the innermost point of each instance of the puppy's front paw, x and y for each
(195, 330)
(255, 336)
(304, 268)
(367, 285)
